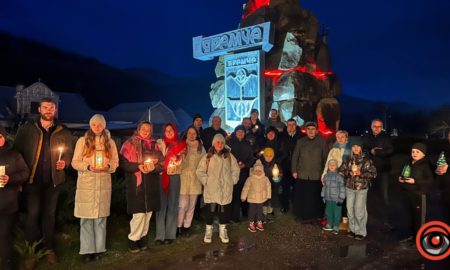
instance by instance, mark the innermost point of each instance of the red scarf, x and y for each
(174, 148)
(132, 151)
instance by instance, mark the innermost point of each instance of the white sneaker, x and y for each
(223, 233)
(208, 234)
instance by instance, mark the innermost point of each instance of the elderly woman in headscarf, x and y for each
(95, 159)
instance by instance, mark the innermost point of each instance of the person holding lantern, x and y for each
(95, 159)
(190, 186)
(141, 161)
(416, 180)
(218, 171)
(13, 173)
(257, 190)
(47, 148)
(173, 150)
(358, 171)
(273, 171)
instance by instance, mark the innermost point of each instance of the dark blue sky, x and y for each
(381, 50)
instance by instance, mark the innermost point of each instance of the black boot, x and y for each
(187, 232)
(142, 244)
(133, 246)
(179, 231)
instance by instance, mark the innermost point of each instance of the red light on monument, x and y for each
(253, 6)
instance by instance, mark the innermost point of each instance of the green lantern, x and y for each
(406, 172)
(441, 161)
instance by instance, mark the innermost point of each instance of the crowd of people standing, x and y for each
(259, 171)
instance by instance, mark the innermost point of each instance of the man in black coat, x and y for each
(443, 179)
(47, 148)
(242, 151)
(288, 138)
(378, 145)
(208, 134)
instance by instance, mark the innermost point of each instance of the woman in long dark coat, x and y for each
(142, 162)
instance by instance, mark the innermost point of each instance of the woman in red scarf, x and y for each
(142, 163)
(173, 150)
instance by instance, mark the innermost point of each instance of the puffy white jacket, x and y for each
(218, 175)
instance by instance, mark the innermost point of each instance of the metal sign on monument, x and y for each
(260, 35)
(243, 81)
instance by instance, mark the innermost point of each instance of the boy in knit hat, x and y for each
(333, 194)
(256, 191)
(416, 185)
(268, 160)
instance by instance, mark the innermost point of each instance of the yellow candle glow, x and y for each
(2, 173)
(99, 159)
(60, 149)
(275, 172)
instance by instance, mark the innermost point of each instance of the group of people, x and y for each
(254, 172)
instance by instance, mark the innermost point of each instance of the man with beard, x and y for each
(47, 149)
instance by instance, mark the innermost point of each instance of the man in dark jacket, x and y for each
(208, 134)
(288, 138)
(308, 161)
(242, 151)
(47, 149)
(443, 179)
(14, 172)
(378, 146)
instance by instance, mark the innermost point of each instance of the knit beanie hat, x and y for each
(421, 147)
(258, 166)
(218, 137)
(239, 127)
(310, 124)
(268, 152)
(97, 118)
(272, 129)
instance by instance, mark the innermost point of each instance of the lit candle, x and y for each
(148, 164)
(354, 168)
(99, 159)
(275, 173)
(2, 173)
(256, 126)
(60, 153)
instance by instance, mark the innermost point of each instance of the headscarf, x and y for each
(175, 148)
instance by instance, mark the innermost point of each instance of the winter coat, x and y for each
(218, 174)
(189, 183)
(366, 167)
(277, 146)
(18, 172)
(257, 189)
(243, 152)
(93, 194)
(289, 145)
(382, 157)
(423, 176)
(28, 142)
(145, 197)
(333, 187)
(308, 159)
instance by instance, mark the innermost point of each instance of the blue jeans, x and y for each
(357, 210)
(167, 216)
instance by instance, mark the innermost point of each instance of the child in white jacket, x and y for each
(257, 190)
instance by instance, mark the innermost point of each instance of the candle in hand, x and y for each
(2, 173)
(60, 153)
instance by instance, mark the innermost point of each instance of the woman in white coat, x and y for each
(95, 159)
(218, 171)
